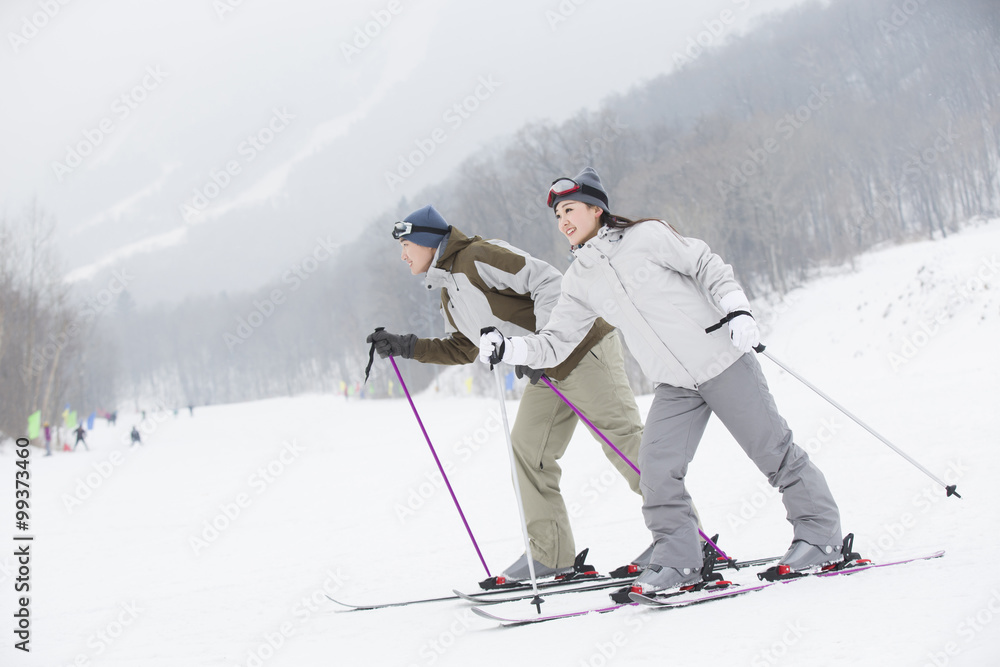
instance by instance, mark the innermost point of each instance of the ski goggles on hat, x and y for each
(401, 229)
(567, 186)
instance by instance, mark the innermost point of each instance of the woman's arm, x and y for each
(570, 322)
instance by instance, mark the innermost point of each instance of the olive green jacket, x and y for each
(491, 283)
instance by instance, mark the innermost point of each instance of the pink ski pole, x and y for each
(440, 467)
(619, 453)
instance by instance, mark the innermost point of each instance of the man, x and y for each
(81, 436)
(491, 283)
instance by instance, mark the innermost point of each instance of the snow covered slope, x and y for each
(214, 542)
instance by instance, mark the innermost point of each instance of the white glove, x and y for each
(513, 351)
(744, 333)
(490, 342)
(743, 329)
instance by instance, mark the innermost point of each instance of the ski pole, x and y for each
(949, 488)
(440, 467)
(624, 458)
(537, 600)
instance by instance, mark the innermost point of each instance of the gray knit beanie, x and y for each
(591, 192)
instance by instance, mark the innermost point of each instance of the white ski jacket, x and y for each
(660, 289)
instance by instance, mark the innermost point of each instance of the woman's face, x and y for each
(578, 221)
(417, 256)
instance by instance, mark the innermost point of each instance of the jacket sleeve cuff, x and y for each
(736, 300)
(516, 352)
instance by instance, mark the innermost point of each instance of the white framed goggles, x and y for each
(403, 228)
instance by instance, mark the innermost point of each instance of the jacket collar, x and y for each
(605, 236)
(451, 245)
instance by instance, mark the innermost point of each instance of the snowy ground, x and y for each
(213, 543)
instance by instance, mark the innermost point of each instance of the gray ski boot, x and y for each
(518, 570)
(802, 556)
(658, 578)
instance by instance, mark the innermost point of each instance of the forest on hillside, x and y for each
(823, 132)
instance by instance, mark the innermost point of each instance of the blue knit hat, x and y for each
(428, 227)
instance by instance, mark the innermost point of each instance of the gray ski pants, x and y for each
(674, 427)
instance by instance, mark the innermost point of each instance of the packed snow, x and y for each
(216, 540)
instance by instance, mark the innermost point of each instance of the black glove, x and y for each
(532, 374)
(397, 345)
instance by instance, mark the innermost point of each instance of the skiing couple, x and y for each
(663, 291)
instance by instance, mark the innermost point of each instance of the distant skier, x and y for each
(135, 437)
(81, 436)
(48, 439)
(191, 409)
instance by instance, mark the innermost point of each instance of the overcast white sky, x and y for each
(162, 95)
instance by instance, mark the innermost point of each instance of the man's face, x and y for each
(417, 256)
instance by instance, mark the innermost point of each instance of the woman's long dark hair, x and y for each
(607, 219)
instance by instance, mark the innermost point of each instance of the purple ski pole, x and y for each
(619, 453)
(440, 467)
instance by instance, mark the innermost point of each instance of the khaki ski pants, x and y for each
(544, 425)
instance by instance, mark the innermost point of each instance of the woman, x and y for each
(663, 291)
(490, 283)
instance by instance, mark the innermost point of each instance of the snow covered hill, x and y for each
(214, 542)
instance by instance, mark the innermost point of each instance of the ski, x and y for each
(479, 611)
(384, 605)
(478, 598)
(494, 597)
(500, 588)
(675, 600)
(686, 599)
(584, 578)
(682, 598)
